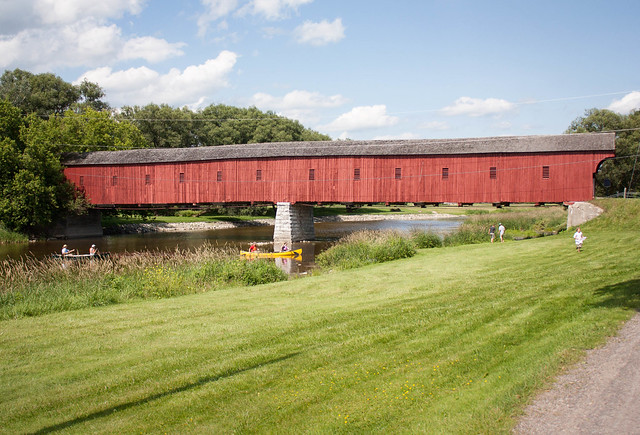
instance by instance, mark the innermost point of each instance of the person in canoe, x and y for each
(253, 247)
(284, 248)
(66, 251)
(93, 250)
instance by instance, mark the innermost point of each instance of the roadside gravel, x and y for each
(599, 396)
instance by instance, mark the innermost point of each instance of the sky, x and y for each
(351, 69)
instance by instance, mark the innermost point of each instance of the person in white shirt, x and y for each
(579, 238)
(501, 230)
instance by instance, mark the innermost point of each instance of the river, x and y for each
(234, 238)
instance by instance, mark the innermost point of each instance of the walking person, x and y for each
(579, 239)
(492, 232)
(501, 230)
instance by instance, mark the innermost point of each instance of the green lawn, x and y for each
(453, 340)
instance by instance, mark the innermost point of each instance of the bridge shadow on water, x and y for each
(190, 386)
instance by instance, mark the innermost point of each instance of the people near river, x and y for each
(253, 247)
(284, 248)
(93, 250)
(501, 230)
(66, 251)
(492, 232)
(578, 237)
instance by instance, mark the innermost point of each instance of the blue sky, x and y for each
(347, 68)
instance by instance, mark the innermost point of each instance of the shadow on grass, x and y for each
(620, 295)
(200, 382)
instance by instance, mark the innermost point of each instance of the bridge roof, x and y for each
(603, 142)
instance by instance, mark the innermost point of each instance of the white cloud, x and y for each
(45, 34)
(216, 9)
(150, 49)
(361, 118)
(140, 86)
(477, 107)
(17, 16)
(298, 104)
(70, 11)
(272, 9)
(627, 104)
(321, 33)
(297, 100)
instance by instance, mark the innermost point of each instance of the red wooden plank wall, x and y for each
(517, 178)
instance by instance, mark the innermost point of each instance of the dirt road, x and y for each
(599, 396)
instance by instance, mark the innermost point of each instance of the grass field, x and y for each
(452, 340)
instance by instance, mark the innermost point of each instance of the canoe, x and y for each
(98, 256)
(287, 254)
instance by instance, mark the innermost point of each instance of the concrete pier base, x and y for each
(294, 223)
(581, 212)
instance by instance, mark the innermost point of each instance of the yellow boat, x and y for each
(286, 254)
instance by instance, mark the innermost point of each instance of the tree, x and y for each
(34, 192)
(47, 94)
(83, 132)
(167, 127)
(615, 174)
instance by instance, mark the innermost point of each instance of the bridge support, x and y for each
(294, 223)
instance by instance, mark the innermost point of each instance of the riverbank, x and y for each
(452, 338)
(166, 227)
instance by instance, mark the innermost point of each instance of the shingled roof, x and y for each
(604, 142)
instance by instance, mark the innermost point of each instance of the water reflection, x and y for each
(233, 238)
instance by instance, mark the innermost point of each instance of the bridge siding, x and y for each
(519, 179)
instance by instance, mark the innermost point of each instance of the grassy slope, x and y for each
(452, 340)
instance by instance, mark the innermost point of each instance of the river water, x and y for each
(234, 238)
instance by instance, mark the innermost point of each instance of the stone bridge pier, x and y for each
(294, 223)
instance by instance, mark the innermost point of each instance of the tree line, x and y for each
(42, 117)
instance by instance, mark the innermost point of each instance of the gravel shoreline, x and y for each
(164, 227)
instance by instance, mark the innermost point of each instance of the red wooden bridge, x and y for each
(498, 170)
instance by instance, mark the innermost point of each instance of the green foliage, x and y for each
(425, 239)
(167, 127)
(618, 172)
(33, 287)
(8, 236)
(33, 187)
(366, 247)
(47, 94)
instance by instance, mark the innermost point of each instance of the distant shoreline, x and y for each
(165, 227)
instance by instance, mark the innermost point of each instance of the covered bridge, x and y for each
(498, 170)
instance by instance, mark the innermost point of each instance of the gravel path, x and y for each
(599, 396)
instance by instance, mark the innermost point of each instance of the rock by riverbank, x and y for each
(164, 227)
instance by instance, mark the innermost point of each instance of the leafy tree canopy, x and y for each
(615, 175)
(47, 94)
(167, 127)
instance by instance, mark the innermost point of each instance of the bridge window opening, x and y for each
(181, 177)
(356, 174)
(81, 180)
(493, 173)
(545, 172)
(147, 179)
(219, 176)
(445, 173)
(259, 175)
(114, 180)
(312, 174)
(398, 173)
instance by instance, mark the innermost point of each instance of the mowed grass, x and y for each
(453, 340)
